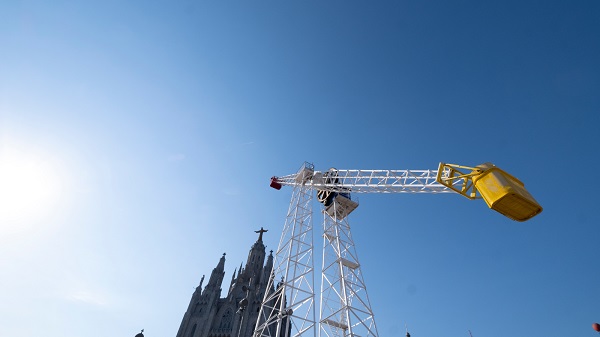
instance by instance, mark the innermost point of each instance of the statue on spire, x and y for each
(261, 231)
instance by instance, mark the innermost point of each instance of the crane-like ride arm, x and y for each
(501, 191)
(344, 308)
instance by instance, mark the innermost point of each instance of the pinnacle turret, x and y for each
(221, 265)
(269, 264)
(216, 277)
(267, 269)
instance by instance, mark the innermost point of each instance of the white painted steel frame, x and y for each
(376, 181)
(345, 308)
(293, 271)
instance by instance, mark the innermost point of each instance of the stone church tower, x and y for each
(209, 315)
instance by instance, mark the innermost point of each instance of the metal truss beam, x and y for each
(374, 181)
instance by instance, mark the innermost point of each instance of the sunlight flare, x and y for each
(29, 186)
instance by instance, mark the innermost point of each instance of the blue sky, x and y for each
(138, 139)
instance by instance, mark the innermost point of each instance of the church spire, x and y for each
(249, 281)
(233, 278)
(267, 269)
(216, 277)
(269, 265)
(221, 265)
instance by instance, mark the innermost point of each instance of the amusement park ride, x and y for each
(344, 308)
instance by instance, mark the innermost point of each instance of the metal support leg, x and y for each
(345, 309)
(288, 308)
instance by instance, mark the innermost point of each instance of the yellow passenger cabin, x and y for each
(505, 194)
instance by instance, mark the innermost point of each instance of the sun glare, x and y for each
(29, 187)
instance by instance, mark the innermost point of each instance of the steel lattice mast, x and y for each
(345, 309)
(288, 308)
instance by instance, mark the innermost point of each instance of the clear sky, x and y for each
(137, 139)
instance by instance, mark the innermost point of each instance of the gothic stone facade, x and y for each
(209, 315)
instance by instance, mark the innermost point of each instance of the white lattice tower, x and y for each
(293, 275)
(345, 309)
